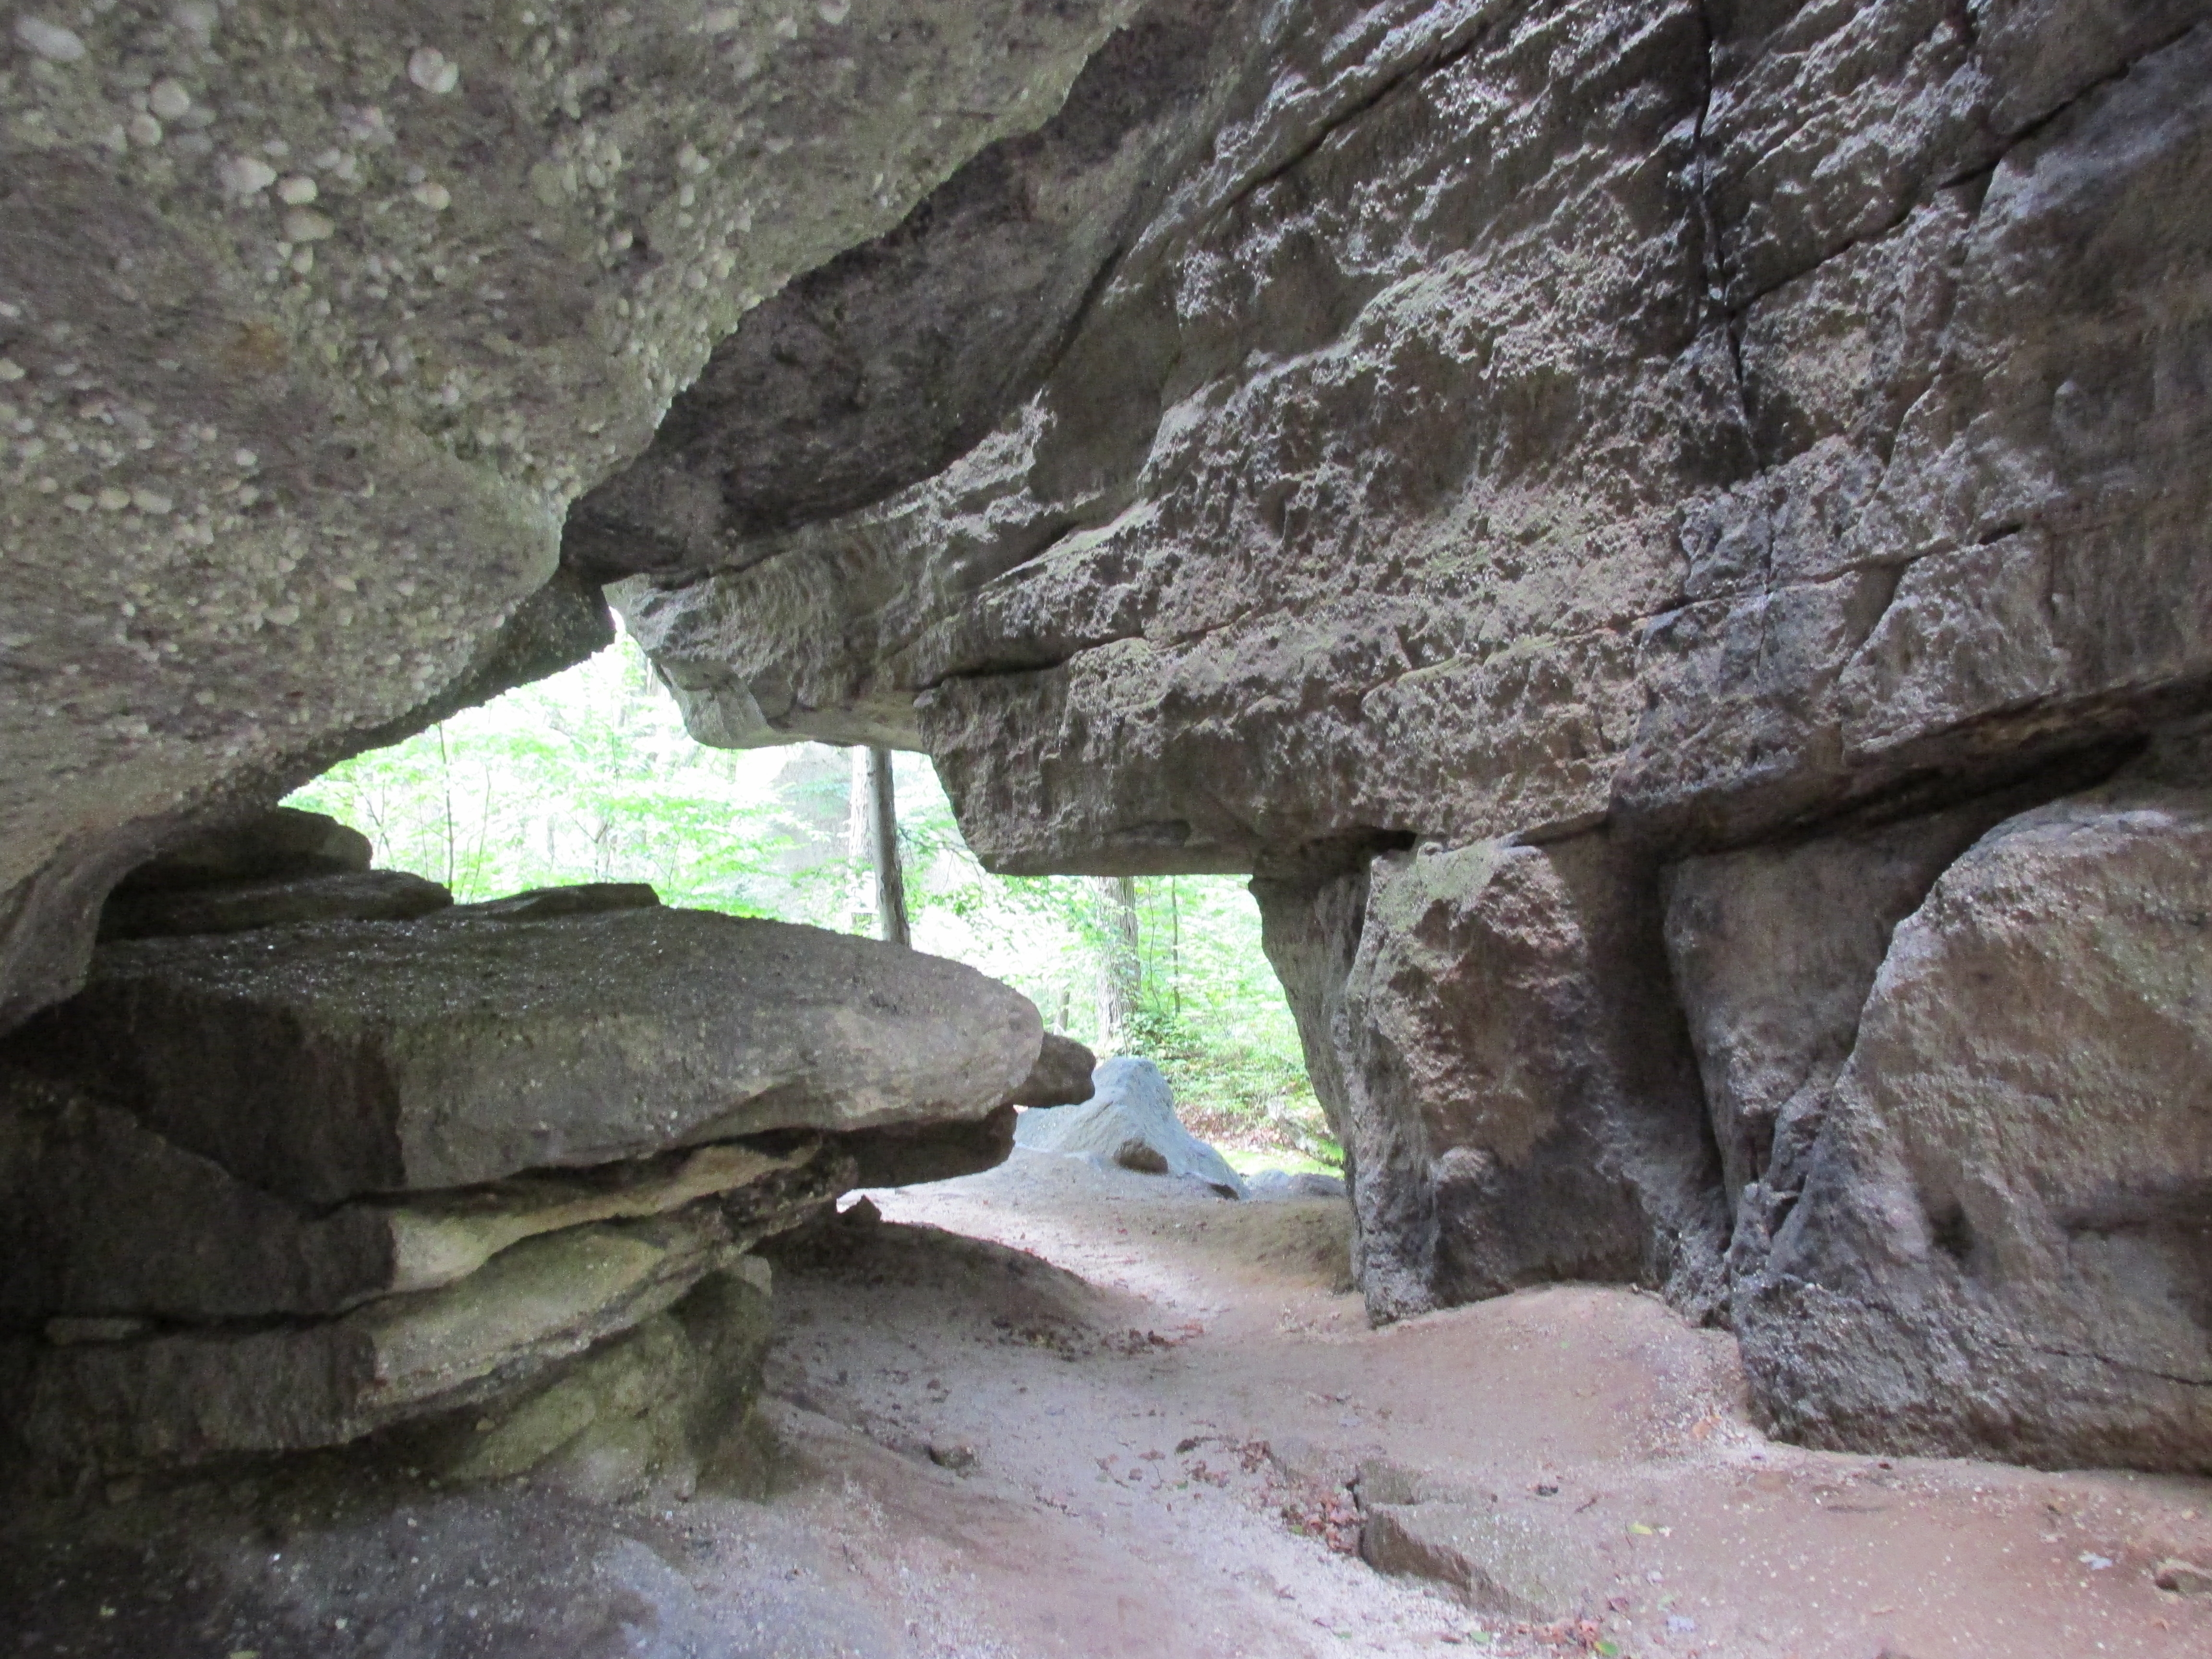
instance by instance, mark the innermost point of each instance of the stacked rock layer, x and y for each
(280, 1186)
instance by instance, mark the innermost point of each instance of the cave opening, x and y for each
(590, 776)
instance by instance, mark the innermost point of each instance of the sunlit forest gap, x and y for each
(590, 776)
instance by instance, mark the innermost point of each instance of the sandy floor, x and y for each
(1049, 1411)
(1107, 1347)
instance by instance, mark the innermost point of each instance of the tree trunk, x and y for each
(884, 852)
(1119, 969)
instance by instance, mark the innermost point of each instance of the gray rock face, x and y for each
(1519, 1103)
(1633, 448)
(1699, 467)
(324, 1063)
(101, 1217)
(238, 906)
(1773, 950)
(906, 1155)
(280, 845)
(649, 1410)
(1999, 1242)
(1129, 1120)
(1061, 1076)
(170, 1399)
(313, 333)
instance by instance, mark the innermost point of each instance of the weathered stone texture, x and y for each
(315, 323)
(1710, 460)
(101, 1218)
(1773, 950)
(444, 1053)
(1520, 1105)
(1688, 468)
(2001, 1239)
(170, 1399)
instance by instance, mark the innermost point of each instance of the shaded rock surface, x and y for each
(294, 430)
(1999, 1240)
(1698, 468)
(650, 1410)
(1519, 1102)
(283, 844)
(1588, 439)
(235, 907)
(450, 1051)
(101, 1217)
(1130, 1120)
(166, 1399)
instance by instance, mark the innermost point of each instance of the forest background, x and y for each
(590, 776)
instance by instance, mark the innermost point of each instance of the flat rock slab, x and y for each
(539, 904)
(1129, 1120)
(1499, 1562)
(102, 1218)
(283, 901)
(172, 1400)
(330, 1062)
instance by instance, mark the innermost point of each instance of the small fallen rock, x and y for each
(1129, 1120)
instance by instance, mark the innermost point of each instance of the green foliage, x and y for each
(590, 776)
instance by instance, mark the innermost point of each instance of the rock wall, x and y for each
(1638, 523)
(1670, 538)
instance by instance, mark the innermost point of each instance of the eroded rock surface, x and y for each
(313, 326)
(275, 1187)
(1999, 1241)
(1746, 452)
(1694, 467)
(445, 1052)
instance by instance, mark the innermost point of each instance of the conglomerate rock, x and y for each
(313, 323)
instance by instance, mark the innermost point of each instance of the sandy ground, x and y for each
(1053, 1411)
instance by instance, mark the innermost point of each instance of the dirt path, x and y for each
(1144, 1378)
(1051, 1410)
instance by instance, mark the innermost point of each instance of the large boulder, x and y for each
(1130, 1120)
(326, 1062)
(1519, 1102)
(1999, 1243)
